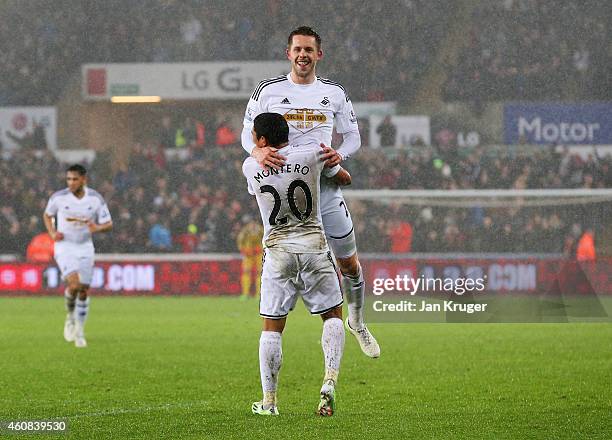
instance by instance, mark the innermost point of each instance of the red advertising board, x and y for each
(130, 278)
(222, 276)
(505, 275)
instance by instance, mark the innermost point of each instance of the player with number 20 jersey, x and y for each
(312, 105)
(297, 261)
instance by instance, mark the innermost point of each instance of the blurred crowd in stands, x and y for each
(198, 204)
(378, 50)
(196, 201)
(534, 49)
(480, 168)
(54, 41)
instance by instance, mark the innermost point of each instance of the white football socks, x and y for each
(82, 310)
(332, 341)
(270, 360)
(354, 289)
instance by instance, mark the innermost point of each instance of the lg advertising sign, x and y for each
(210, 80)
(572, 124)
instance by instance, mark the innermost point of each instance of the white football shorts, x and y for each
(286, 275)
(70, 263)
(339, 231)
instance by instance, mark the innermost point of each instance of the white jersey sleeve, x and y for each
(346, 124)
(345, 117)
(350, 144)
(246, 174)
(247, 140)
(51, 209)
(103, 214)
(253, 109)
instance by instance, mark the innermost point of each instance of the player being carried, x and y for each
(296, 259)
(310, 105)
(79, 212)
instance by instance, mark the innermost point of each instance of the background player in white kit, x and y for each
(296, 257)
(79, 212)
(311, 105)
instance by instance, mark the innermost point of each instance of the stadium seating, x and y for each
(210, 193)
(520, 49)
(531, 50)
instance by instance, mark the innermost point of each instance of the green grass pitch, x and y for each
(185, 367)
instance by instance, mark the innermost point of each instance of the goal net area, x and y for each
(550, 221)
(531, 255)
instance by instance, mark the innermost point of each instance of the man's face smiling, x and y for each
(303, 54)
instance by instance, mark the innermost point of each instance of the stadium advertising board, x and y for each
(221, 277)
(489, 290)
(130, 278)
(569, 124)
(365, 109)
(181, 81)
(28, 127)
(410, 130)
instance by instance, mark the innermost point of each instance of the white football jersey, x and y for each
(72, 216)
(311, 110)
(288, 199)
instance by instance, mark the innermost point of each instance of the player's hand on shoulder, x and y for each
(268, 157)
(330, 156)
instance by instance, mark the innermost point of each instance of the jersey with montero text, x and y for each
(288, 199)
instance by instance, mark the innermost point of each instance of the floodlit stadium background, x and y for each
(496, 96)
(485, 97)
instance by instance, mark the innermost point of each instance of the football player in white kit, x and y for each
(79, 212)
(311, 105)
(296, 259)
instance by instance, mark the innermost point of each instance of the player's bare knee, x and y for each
(274, 325)
(349, 266)
(333, 313)
(73, 287)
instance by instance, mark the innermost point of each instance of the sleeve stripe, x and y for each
(333, 83)
(264, 84)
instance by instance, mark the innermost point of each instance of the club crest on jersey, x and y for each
(285, 101)
(325, 101)
(304, 119)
